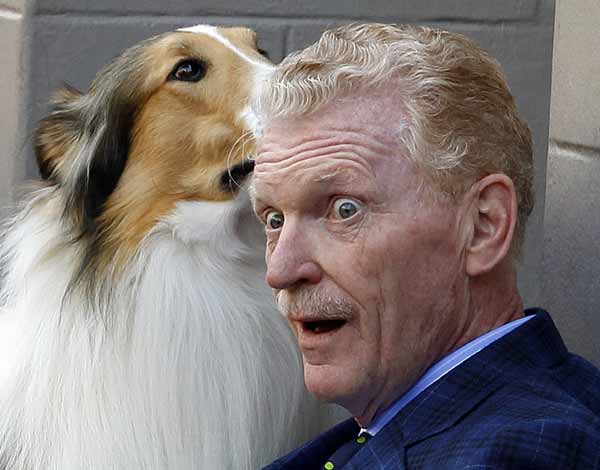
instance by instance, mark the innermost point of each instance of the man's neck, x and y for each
(494, 300)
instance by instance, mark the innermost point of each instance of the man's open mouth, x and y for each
(322, 326)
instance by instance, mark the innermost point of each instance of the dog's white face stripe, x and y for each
(213, 33)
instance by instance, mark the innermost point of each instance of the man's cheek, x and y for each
(270, 246)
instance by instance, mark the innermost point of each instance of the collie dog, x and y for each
(136, 330)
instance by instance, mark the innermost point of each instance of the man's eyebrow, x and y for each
(254, 200)
(340, 176)
(252, 191)
(326, 177)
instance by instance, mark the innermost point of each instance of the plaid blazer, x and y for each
(523, 402)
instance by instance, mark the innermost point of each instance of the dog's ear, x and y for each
(108, 131)
(57, 132)
(82, 145)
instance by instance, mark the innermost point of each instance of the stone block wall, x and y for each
(571, 286)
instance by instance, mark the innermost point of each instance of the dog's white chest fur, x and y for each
(188, 365)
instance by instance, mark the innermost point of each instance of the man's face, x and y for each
(367, 269)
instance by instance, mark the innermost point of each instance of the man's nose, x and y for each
(290, 262)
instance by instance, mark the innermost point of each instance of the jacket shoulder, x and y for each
(537, 422)
(537, 444)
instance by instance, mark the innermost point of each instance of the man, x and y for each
(394, 179)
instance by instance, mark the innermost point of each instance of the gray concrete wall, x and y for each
(572, 223)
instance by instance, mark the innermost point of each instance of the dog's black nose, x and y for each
(233, 178)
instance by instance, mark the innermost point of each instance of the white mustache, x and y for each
(314, 305)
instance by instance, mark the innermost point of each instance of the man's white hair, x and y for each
(461, 122)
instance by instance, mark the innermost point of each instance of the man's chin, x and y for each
(328, 384)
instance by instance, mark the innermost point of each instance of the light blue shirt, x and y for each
(441, 368)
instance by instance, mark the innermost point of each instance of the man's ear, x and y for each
(494, 217)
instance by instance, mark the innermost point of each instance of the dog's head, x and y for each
(164, 122)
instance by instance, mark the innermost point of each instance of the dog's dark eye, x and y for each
(189, 70)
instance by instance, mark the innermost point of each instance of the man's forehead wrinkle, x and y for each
(336, 152)
(323, 144)
(318, 168)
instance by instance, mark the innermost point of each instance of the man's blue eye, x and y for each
(274, 220)
(345, 208)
